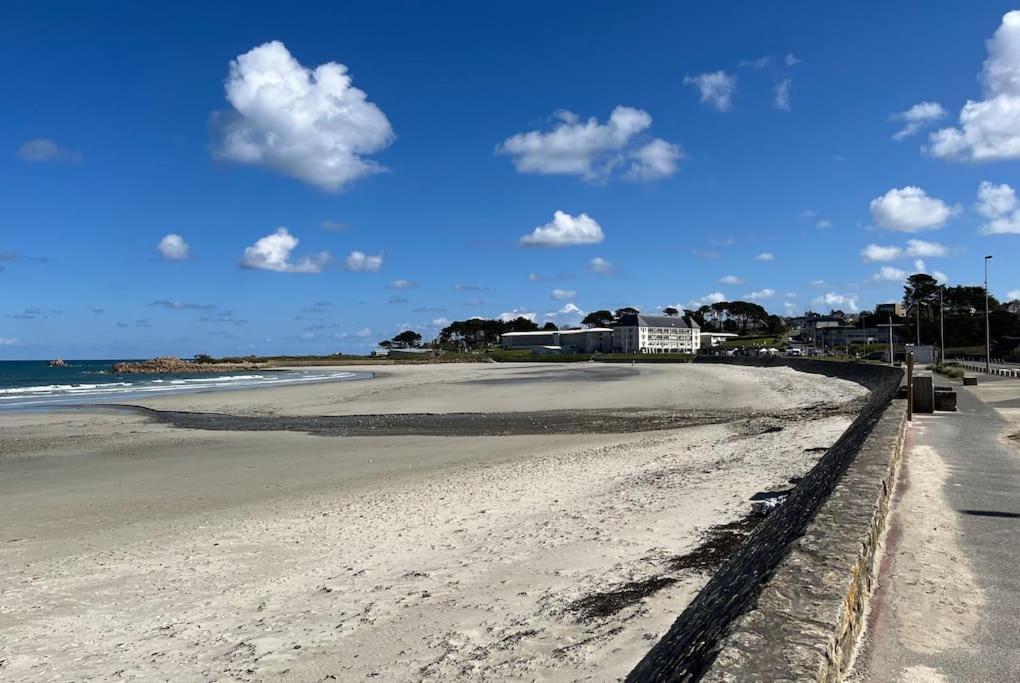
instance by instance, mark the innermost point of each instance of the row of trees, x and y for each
(962, 309)
(963, 305)
(408, 339)
(480, 332)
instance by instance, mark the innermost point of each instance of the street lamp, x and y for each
(942, 325)
(988, 331)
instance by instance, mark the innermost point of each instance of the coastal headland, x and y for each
(475, 521)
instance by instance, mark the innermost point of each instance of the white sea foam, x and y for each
(16, 397)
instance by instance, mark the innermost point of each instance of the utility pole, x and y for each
(917, 305)
(942, 325)
(988, 331)
(892, 349)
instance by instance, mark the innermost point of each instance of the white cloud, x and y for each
(657, 159)
(1015, 294)
(8, 341)
(44, 149)
(716, 88)
(910, 209)
(890, 274)
(782, 94)
(926, 249)
(765, 256)
(591, 149)
(534, 277)
(989, 129)
(569, 315)
(360, 261)
(507, 316)
(601, 266)
(875, 252)
(823, 224)
(762, 294)
(565, 230)
(791, 60)
(995, 200)
(173, 247)
(710, 298)
(364, 332)
(562, 294)
(920, 267)
(914, 249)
(998, 203)
(916, 118)
(273, 252)
(402, 284)
(333, 226)
(731, 280)
(836, 300)
(309, 124)
(759, 63)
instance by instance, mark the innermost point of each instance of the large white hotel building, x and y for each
(631, 334)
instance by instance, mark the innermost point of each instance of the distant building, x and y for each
(636, 333)
(592, 340)
(815, 322)
(712, 339)
(896, 309)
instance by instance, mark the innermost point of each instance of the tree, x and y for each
(598, 319)
(626, 310)
(920, 289)
(521, 324)
(963, 298)
(550, 327)
(670, 311)
(775, 325)
(407, 339)
(385, 344)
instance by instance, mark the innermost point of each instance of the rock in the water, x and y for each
(171, 364)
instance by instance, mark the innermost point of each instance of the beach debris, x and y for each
(764, 503)
(763, 508)
(608, 603)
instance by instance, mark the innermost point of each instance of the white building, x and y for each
(712, 339)
(592, 340)
(656, 334)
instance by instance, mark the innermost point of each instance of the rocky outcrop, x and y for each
(170, 364)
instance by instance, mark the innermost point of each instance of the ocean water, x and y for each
(30, 383)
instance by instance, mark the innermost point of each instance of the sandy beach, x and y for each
(530, 548)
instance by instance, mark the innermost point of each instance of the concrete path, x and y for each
(947, 604)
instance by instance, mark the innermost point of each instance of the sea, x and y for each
(34, 384)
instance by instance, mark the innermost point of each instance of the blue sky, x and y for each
(678, 142)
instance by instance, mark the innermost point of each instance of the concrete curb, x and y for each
(809, 615)
(788, 604)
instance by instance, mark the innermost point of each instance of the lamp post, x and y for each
(942, 325)
(892, 350)
(988, 331)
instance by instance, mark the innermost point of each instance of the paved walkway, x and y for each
(947, 604)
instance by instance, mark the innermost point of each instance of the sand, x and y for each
(133, 549)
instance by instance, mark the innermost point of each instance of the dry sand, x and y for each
(132, 549)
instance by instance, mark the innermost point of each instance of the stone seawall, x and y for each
(787, 605)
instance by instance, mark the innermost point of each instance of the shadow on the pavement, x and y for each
(992, 513)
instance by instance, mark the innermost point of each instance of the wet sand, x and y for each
(136, 548)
